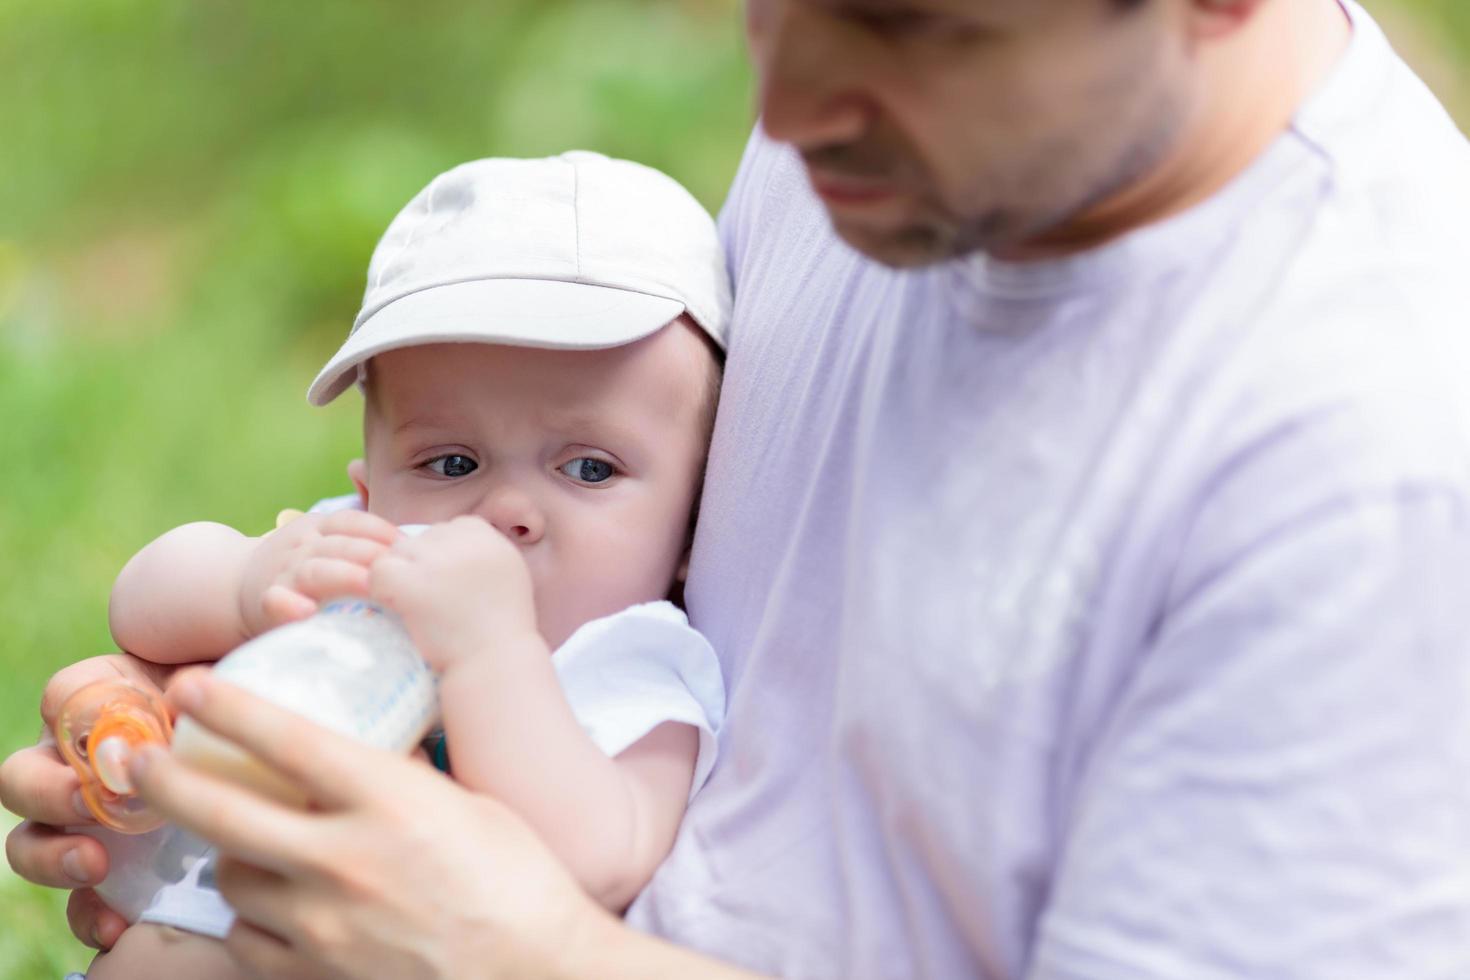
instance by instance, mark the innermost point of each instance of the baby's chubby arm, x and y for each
(465, 594)
(200, 590)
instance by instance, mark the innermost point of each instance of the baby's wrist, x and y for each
(249, 615)
(495, 656)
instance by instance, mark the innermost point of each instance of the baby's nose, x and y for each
(514, 514)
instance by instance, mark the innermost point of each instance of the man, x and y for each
(1085, 532)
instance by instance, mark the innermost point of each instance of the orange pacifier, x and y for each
(97, 730)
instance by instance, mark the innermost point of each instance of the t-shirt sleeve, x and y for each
(626, 674)
(1283, 787)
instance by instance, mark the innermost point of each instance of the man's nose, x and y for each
(514, 513)
(804, 58)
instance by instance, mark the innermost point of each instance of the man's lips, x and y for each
(843, 189)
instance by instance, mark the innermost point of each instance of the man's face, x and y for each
(933, 128)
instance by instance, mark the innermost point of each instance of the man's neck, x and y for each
(1252, 83)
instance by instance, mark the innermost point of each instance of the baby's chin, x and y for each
(556, 630)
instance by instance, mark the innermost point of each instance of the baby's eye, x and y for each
(453, 465)
(586, 469)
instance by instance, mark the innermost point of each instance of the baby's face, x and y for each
(588, 460)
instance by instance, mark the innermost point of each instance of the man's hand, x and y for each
(460, 587)
(394, 870)
(39, 786)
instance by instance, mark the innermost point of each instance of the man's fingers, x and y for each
(51, 857)
(92, 921)
(332, 769)
(261, 898)
(36, 784)
(110, 667)
(240, 821)
(261, 954)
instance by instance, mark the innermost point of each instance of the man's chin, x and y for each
(901, 247)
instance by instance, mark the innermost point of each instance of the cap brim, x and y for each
(546, 313)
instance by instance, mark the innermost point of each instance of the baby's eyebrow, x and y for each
(570, 421)
(589, 427)
(425, 422)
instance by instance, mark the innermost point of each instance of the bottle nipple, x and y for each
(97, 730)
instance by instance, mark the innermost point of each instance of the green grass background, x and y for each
(189, 192)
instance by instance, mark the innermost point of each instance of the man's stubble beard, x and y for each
(937, 234)
(1036, 201)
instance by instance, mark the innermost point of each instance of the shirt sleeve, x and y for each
(626, 674)
(1283, 786)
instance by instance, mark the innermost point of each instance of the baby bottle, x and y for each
(350, 668)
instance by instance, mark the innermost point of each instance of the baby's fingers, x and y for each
(360, 524)
(327, 578)
(361, 551)
(282, 605)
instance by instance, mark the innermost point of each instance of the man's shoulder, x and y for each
(1397, 165)
(1329, 342)
(1374, 303)
(1368, 304)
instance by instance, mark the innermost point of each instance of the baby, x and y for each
(538, 352)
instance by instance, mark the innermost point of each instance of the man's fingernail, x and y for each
(140, 759)
(71, 863)
(80, 805)
(109, 930)
(187, 694)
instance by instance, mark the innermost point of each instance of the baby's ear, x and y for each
(676, 589)
(357, 473)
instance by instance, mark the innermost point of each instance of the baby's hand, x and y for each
(309, 560)
(460, 587)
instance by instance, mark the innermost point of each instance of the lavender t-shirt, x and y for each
(1102, 618)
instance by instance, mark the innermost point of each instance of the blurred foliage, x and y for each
(189, 192)
(1434, 36)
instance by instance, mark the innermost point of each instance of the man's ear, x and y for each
(357, 473)
(1218, 18)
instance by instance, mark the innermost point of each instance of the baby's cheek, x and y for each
(601, 571)
(572, 601)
